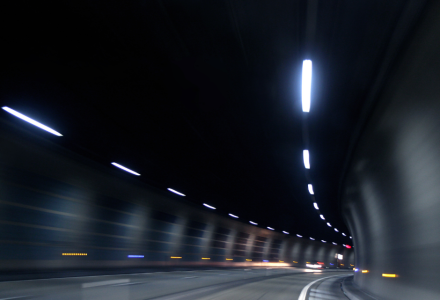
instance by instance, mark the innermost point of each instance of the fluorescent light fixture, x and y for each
(306, 159)
(285, 232)
(29, 120)
(125, 169)
(312, 239)
(323, 241)
(135, 256)
(322, 217)
(334, 243)
(270, 228)
(336, 229)
(306, 84)
(253, 223)
(234, 216)
(344, 234)
(329, 225)
(343, 245)
(311, 189)
(315, 205)
(298, 235)
(176, 192)
(389, 275)
(365, 271)
(351, 237)
(209, 206)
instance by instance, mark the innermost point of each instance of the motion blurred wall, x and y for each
(53, 201)
(391, 197)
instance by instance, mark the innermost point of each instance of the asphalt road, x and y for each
(262, 284)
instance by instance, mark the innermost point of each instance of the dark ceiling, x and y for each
(205, 96)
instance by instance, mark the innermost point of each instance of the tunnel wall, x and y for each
(391, 196)
(54, 201)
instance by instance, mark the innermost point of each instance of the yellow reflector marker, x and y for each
(247, 259)
(365, 271)
(389, 275)
(206, 258)
(307, 262)
(295, 262)
(176, 257)
(351, 265)
(281, 261)
(354, 269)
(342, 264)
(229, 259)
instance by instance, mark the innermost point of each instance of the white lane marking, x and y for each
(102, 283)
(190, 277)
(18, 297)
(304, 291)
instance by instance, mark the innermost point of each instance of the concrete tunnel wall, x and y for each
(391, 197)
(53, 201)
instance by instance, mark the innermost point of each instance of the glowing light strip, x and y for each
(306, 159)
(389, 275)
(329, 225)
(248, 259)
(234, 216)
(209, 206)
(322, 217)
(365, 271)
(176, 192)
(253, 223)
(285, 232)
(306, 84)
(298, 235)
(74, 254)
(336, 229)
(125, 169)
(177, 257)
(270, 228)
(29, 120)
(312, 239)
(310, 189)
(206, 258)
(135, 256)
(229, 259)
(316, 205)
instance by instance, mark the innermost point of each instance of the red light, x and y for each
(348, 246)
(320, 263)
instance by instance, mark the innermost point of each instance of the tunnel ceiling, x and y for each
(205, 96)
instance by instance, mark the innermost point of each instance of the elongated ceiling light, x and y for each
(253, 223)
(234, 216)
(208, 206)
(315, 205)
(125, 169)
(306, 84)
(176, 192)
(270, 228)
(298, 235)
(306, 159)
(311, 189)
(29, 120)
(322, 217)
(285, 232)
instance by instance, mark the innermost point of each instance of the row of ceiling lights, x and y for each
(305, 97)
(306, 88)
